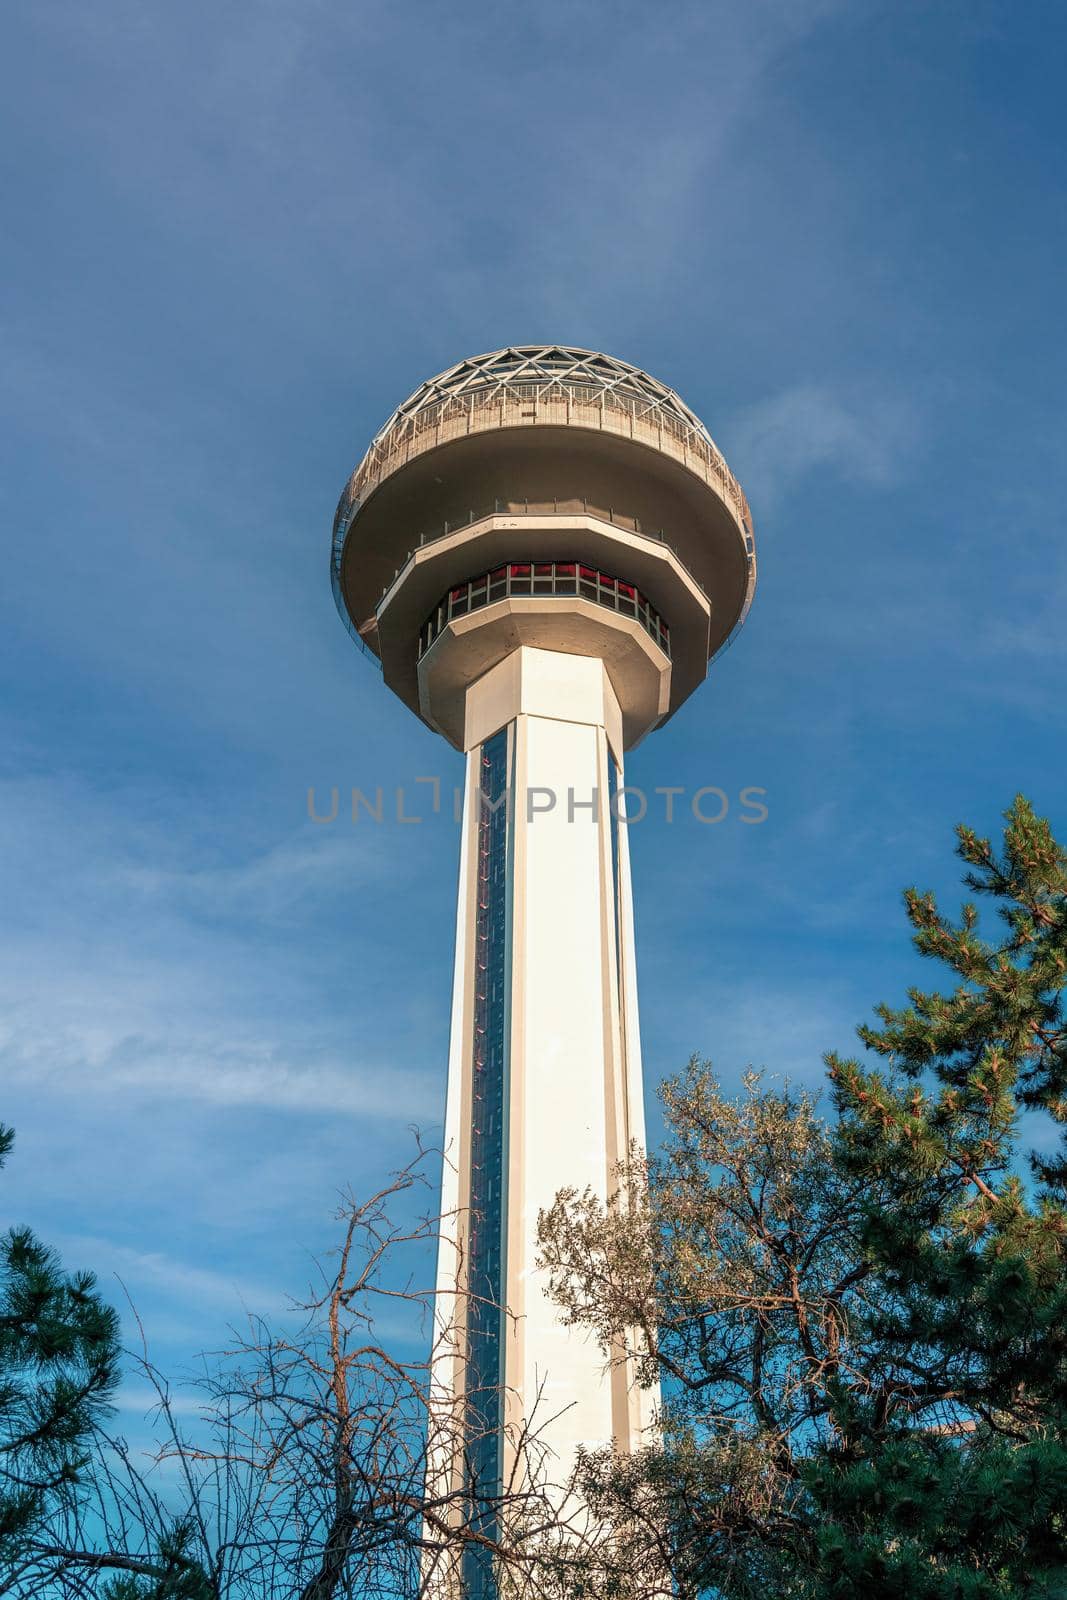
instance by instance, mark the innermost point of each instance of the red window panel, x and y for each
(518, 570)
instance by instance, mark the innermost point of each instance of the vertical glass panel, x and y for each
(488, 1153)
(613, 819)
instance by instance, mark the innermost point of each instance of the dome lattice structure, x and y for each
(514, 370)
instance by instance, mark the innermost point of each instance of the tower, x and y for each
(542, 550)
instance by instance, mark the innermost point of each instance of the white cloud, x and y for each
(143, 1271)
(861, 438)
(732, 1023)
(271, 883)
(1037, 635)
(148, 959)
(86, 1054)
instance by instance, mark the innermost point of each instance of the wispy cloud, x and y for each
(212, 1072)
(273, 882)
(861, 437)
(162, 1274)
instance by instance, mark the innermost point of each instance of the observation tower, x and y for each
(542, 550)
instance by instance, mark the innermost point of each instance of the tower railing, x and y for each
(557, 404)
(523, 506)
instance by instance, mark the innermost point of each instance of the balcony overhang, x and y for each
(652, 566)
(470, 646)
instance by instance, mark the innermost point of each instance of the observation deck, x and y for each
(543, 455)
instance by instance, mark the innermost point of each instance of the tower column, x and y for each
(544, 1079)
(567, 1110)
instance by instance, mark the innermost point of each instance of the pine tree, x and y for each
(172, 1572)
(948, 1477)
(58, 1368)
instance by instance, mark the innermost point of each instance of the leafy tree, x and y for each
(727, 1265)
(862, 1329)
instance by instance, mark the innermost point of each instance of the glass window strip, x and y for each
(488, 1149)
(613, 819)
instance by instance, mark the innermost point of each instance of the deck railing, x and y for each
(546, 405)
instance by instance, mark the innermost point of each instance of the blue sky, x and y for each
(235, 238)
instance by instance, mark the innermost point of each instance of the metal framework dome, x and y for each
(513, 371)
(471, 394)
